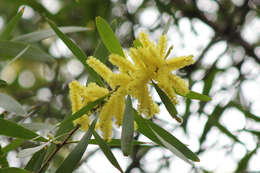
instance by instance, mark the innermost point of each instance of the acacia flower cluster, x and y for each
(150, 64)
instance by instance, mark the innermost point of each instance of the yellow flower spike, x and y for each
(83, 121)
(143, 37)
(162, 45)
(75, 98)
(93, 92)
(120, 79)
(121, 62)
(179, 84)
(100, 68)
(136, 58)
(179, 62)
(120, 107)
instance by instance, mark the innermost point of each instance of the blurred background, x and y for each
(223, 36)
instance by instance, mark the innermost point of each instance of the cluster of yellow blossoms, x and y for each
(150, 63)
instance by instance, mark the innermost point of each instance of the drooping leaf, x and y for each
(37, 126)
(76, 50)
(172, 142)
(46, 33)
(167, 103)
(145, 129)
(108, 37)
(13, 170)
(70, 163)
(127, 128)
(30, 151)
(11, 129)
(8, 29)
(82, 111)
(36, 161)
(11, 105)
(13, 145)
(197, 96)
(106, 150)
(10, 49)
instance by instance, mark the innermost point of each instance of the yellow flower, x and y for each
(80, 96)
(150, 63)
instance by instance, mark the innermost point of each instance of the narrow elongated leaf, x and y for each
(108, 37)
(7, 31)
(30, 151)
(13, 170)
(37, 126)
(10, 49)
(70, 163)
(11, 105)
(173, 142)
(117, 143)
(106, 150)
(246, 112)
(11, 129)
(82, 111)
(36, 161)
(19, 54)
(46, 33)
(167, 26)
(127, 128)
(76, 51)
(173, 149)
(13, 145)
(197, 96)
(167, 103)
(145, 129)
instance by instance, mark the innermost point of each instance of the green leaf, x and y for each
(10, 49)
(37, 126)
(7, 31)
(11, 105)
(71, 162)
(197, 96)
(13, 145)
(167, 103)
(108, 37)
(127, 128)
(36, 161)
(11, 129)
(82, 111)
(19, 54)
(172, 143)
(106, 150)
(13, 170)
(3, 159)
(46, 33)
(145, 129)
(76, 51)
(30, 151)
(3, 83)
(246, 112)
(117, 143)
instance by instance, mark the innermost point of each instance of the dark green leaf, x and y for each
(7, 31)
(127, 128)
(13, 145)
(108, 37)
(36, 161)
(173, 142)
(76, 51)
(106, 150)
(197, 96)
(11, 129)
(11, 105)
(46, 33)
(10, 49)
(71, 162)
(82, 111)
(13, 170)
(167, 103)
(37, 126)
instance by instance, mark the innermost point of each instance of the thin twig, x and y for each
(58, 147)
